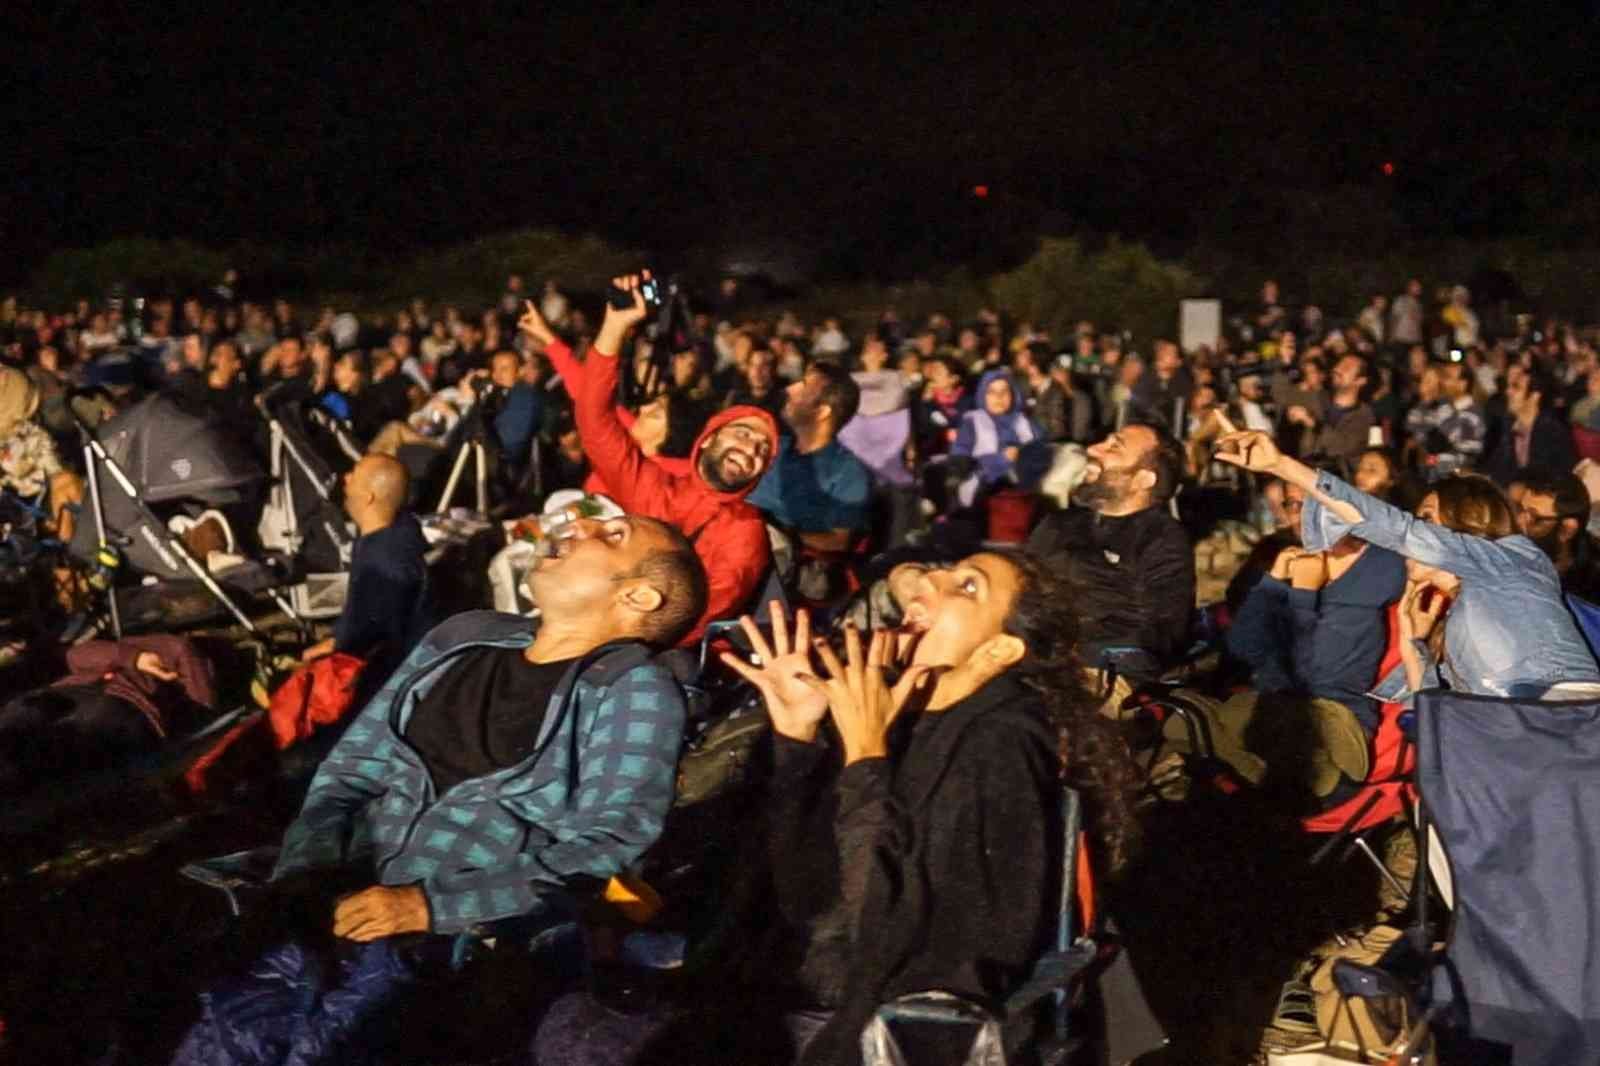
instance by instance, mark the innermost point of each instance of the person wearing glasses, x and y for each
(1553, 512)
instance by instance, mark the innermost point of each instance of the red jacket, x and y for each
(728, 534)
(570, 370)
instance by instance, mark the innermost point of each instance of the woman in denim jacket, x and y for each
(1508, 632)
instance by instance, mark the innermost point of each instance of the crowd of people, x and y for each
(1017, 510)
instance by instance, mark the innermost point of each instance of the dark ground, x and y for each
(106, 947)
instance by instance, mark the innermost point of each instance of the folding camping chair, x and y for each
(1054, 976)
(1587, 615)
(301, 519)
(1389, 788)
(1510, 787)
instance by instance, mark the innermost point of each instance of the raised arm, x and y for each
(1335, 509)
(638, 486)
(558, 351)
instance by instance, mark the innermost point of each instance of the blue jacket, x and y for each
(589, 800)
(1508, 632)
(517, 422)
(985, 437)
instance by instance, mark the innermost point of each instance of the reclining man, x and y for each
(1130, 560)
(500, 769)
(707, 505)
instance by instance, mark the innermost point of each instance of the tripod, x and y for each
(473, 434)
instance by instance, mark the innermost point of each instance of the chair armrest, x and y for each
(1053, 972)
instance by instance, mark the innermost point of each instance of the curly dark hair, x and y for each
(1094, 756)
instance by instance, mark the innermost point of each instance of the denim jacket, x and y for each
(592, 796)
(1508, 633)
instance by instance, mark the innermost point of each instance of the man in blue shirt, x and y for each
(816, 488)
(518, 413)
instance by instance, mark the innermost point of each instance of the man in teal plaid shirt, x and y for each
(502, 764)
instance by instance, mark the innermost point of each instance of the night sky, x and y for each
(826, 124)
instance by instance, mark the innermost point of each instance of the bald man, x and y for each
(386, 609)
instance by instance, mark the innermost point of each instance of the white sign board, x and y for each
(1199, 324)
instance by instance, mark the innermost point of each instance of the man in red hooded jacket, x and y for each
(708, 502)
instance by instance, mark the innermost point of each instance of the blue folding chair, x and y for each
(1587, 615)
(1511, 787)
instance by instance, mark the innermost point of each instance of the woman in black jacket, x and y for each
(916, 845)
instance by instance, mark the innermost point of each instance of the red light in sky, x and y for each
(1388, 169)
(980, 191)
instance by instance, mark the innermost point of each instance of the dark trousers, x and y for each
(55, 732)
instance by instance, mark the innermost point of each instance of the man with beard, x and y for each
(816, 488)
(1534, 441)
(1553, 512)
(1129, 560)
(708, 504)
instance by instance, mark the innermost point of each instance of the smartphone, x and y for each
(650, 289)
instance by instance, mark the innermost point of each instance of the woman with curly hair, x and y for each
(916, 843)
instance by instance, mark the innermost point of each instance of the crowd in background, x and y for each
(1426, 487)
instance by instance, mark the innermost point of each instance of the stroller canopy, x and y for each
(173, 453)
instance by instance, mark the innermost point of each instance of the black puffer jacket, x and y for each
(1133, 576)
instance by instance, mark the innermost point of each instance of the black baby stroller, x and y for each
(153, 461)
(307, 452)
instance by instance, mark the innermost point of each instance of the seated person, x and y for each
(1130, 561)
(758, 385)
(30, 464)
(1506, 633)
(503, 768)
(350, 397)
(118, 698)
(1010, 448)
(816, 488)
(390, 395)
(886, 804)
(218, 389)
(1377, 473)
(944, 401)
(1317, 624)
(387, 608)
(513, 407)
(286, 364)
(1553, 512)
(1535, 440)
(880, 432)
(709, 505)
(1346, 421)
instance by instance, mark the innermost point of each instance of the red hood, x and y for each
(716, 422)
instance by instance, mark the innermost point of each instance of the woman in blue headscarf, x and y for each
(1008, 447)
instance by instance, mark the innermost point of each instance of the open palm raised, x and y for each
(796, 706)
